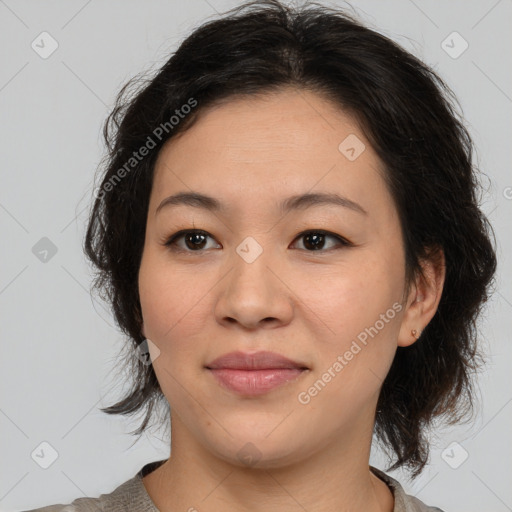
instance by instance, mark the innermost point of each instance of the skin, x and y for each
(307, 305)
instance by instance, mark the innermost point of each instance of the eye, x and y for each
(316, 240)
(195, 240)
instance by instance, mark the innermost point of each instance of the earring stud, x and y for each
(415, 333)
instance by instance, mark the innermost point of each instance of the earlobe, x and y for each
(423, 299)
(412, 326)
(415, 333)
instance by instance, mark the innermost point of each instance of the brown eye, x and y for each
(314, 241)
(197, 240)
(317, 241)
(194, 241)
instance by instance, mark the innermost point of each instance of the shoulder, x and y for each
(131, 495)
(403, 502)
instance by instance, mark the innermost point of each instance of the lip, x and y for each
(262, 360)
(254, 374)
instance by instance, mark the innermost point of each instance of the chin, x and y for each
(253, 450)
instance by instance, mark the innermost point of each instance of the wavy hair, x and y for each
(408, 114)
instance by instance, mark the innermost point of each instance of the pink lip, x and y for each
(254, 374)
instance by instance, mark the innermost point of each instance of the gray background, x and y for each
(59, 344)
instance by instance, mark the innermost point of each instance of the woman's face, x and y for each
(252, 282)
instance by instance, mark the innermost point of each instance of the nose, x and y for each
(254, 294)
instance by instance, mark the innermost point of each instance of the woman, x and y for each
(288, 232)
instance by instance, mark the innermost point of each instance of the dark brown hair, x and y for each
(407, 113)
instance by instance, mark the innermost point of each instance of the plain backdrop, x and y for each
(59, 344)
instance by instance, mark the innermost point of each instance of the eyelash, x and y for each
(171, 241)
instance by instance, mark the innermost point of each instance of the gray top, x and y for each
(132, 496)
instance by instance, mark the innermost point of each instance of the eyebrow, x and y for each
(297, 202)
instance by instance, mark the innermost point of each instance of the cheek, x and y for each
(357, 312)
(171, 298)
(355, 357)
(351, 297)
(173, 314)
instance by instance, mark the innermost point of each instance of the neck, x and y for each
(333, 479)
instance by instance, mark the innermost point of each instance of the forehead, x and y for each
(264, 127)
(285, 142)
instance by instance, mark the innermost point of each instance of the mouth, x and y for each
(254, 374)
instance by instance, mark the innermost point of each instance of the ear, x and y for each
(423, 298)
